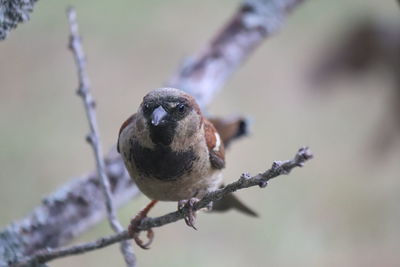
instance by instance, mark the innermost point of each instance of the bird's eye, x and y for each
(181, 108)
(146, 107)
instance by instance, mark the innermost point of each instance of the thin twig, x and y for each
(278, 168)
(94, 137)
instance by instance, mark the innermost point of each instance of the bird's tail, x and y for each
(230, 201)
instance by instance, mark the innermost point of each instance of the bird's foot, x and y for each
(189, 205)
(134, 231)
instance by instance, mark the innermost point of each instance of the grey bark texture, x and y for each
(79, 204)
(13, 12)
(67, 213)
(203, 74)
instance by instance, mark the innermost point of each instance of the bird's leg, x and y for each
(135, 222)
(188, 204)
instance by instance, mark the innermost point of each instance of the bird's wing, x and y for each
(215, 145)
(126, 123)
(230, 128)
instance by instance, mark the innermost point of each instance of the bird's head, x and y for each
(170, 114)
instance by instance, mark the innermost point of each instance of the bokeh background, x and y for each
(341, 209)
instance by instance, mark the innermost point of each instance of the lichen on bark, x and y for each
(13, 12)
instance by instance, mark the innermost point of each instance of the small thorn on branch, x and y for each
(89, 139)
(79, 91)
(263, 184)
(245, 176)
(303, 155)
(276, 165)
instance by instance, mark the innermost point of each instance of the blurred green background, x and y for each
(341, 209)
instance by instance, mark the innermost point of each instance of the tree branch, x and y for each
(94, 136)
(77, 206)
(203, 74)
(66, 213)
(245, 181)
(13, 12)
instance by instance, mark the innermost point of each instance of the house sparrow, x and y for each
(173, 153)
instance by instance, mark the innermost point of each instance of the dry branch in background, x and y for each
(203, 74)
(94, 137)
(78, 205)
(245, 181)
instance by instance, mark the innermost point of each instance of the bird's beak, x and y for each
(158, 115)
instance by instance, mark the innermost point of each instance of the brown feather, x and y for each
(215, 146)
(230, 128)
(126, 123)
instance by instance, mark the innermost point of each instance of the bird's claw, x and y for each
(134, 232)
(189, 205)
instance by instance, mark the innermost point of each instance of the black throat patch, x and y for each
(163, 134)
(161, 162)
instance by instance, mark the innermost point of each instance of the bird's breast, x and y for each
(161, 162)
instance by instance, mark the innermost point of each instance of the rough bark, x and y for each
(67, 213)
(203, 74)
(13, 12)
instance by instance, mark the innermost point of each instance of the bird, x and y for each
(173, 153)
